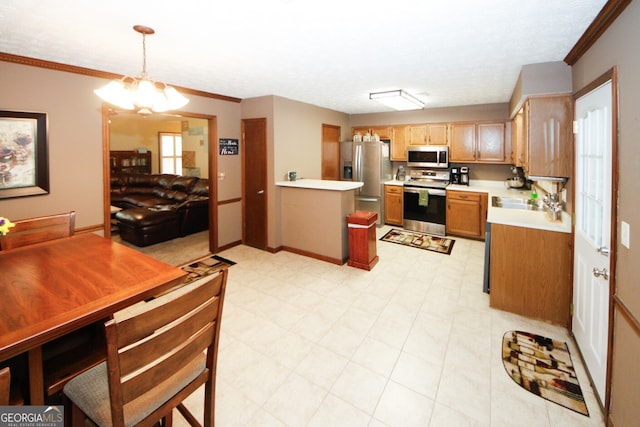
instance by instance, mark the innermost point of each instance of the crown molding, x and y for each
(33, 62)
(605, 18)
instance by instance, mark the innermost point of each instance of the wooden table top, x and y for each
(50, 289)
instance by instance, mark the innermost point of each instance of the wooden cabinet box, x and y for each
(480, 143)
(393, 207)
(466, 214)
(531, 272)
(548, 134)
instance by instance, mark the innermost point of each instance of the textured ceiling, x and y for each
(329, 53)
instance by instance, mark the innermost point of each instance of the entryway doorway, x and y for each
(254, 182)
(595, 226)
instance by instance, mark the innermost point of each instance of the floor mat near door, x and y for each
(543, 367)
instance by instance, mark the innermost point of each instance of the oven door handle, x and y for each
(432, 191)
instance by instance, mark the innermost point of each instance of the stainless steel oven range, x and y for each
(425, 201)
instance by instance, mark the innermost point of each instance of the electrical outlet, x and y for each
(625, 232)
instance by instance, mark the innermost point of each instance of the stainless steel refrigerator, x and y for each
(372, 166)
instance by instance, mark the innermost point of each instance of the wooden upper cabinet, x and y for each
(399, 143)
(438, 134)
(428, 134)
(479, 143)
(550, 135)
(463, 142)
(418, 134)
(491, 143)
(518, 138)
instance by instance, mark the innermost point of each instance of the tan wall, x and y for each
(434, 115)
(617, 47)
(294, 141)
(75, 141)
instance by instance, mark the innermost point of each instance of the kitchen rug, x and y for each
(441, 245)
(543, 366)
(204, 267)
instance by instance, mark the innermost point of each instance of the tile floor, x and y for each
(411, 343)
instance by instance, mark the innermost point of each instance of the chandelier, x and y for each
(141, 93)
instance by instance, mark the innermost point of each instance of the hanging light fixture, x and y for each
(397, 99)
(141, 93)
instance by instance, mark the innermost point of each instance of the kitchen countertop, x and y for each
(321, 184)
(515, 217)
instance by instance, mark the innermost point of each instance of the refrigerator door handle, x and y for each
(367, 199)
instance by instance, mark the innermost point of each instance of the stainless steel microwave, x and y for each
(428, 156)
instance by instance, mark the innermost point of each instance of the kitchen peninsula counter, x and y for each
(314, 217)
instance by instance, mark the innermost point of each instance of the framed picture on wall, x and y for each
(24, 163)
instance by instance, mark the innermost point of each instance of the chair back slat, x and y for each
(36, 230)
(161, 312)
(155, 346)
(193, 348)
(149, 349)
(5, 386)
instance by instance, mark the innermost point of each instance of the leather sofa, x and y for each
(159, 207)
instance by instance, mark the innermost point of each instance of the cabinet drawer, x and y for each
(464, 195)
(395, 189)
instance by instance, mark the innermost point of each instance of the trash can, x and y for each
(362, 239)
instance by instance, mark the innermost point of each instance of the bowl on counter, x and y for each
(515, 182)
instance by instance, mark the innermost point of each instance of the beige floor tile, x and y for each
(412, 342)
(360, 387)
(402, 407)
(335, 412)
(295, 401)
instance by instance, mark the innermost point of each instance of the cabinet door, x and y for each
(418, 135)
(393, 205)
(384, 132)
(491, 143)
(550, 129)
(466, 214)
(438, 134)
(463, 142)
(399, 144)
(534, 286)
(517, 137)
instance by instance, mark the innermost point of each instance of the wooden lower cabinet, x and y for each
(531, 272)
(393, 202)
(466, 213)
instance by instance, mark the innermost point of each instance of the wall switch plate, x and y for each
(625, 231)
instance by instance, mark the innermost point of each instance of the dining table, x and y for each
(50, 289)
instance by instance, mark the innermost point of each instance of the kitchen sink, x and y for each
(516, 203)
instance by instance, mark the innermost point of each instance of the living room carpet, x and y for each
(441, 245)
(543, 366)
(204, 267)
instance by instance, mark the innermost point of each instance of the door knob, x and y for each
(603, 250)
(604, 273)
(260, 191)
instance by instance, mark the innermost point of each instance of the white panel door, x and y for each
(593, 226)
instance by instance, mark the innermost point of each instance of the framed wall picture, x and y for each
(24, 163)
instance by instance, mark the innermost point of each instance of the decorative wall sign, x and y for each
(24, 163)
(228, 147)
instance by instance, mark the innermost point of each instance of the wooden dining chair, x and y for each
(39, 229)
(158, 353)
(5, 386)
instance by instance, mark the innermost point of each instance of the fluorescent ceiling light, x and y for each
(397, 99)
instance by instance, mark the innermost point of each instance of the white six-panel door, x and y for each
(593, 177)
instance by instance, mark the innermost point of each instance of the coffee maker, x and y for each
(464, 175)
(455, 175)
